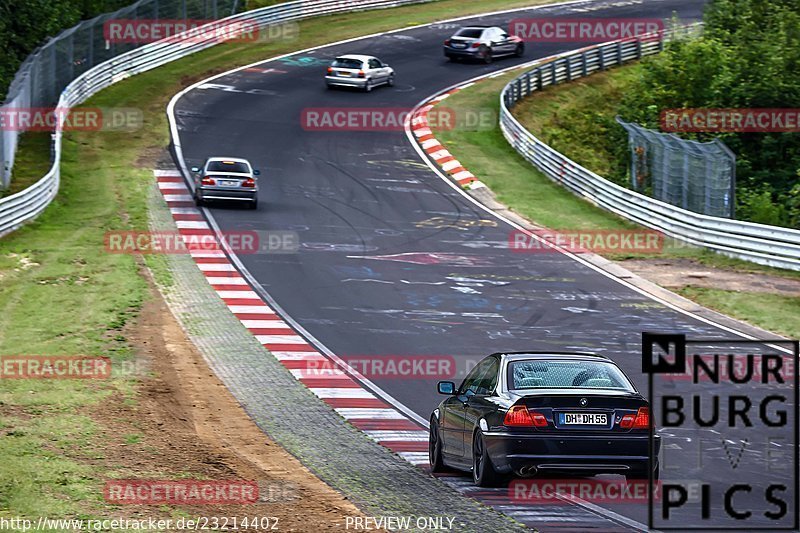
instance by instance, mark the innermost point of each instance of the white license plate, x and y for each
(584, 419)
(228, 183)
(459, 45)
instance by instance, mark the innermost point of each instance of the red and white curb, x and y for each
(435, 150)
(325, 377)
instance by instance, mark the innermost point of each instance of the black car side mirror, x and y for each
(447, 387)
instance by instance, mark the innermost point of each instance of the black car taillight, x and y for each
(447, 42)
(641, 420)
(519, 416)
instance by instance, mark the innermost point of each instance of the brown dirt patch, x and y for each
(679, 273)
(187, 425)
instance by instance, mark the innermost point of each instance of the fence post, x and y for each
(619, 53)
(553, 66)
(585, 65)
(601, 56)
(569, 69)
(539, 79)
(638, 47)
(528, 83)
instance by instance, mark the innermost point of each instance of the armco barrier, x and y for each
(26, 205)
(759, 243)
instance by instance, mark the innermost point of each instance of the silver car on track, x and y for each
(226, 178)
(362, 72)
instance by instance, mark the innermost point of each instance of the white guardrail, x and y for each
(759, 243)
(26, 205)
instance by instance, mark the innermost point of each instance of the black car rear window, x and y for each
(572, 374)
(346, 63)
(471, 33)
(227, 166)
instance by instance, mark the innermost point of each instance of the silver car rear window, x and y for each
(346, 63)
(228, 166)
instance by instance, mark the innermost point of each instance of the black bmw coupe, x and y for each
(538, 414)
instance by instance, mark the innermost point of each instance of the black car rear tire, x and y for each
(435, 448)
(483, 472)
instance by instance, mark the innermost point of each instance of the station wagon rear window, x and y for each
(574, 374)
(228, 166)
(346, 63)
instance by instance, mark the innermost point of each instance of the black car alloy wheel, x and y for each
(483, 472)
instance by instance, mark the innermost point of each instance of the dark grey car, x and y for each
(483, 43)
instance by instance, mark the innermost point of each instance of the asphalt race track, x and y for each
(393, 262)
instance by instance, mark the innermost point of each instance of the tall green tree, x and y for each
(26, 25)
(748, 57)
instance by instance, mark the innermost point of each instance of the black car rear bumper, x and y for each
(584, 454)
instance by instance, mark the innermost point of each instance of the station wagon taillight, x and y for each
(330, 70)
(519, 416)
(476, 44)
(249, 182)
(641, 420)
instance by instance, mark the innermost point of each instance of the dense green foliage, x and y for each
(748, 57)
(26, 24)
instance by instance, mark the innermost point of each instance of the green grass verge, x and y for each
(31, 163)
(769, 311)
(578, 119)
(62, 294)
(530, 193)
